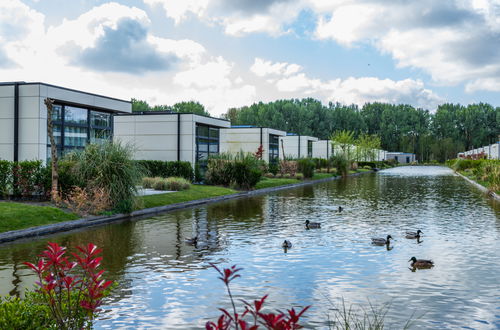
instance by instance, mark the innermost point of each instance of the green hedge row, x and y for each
(165, 169)
(24, 179)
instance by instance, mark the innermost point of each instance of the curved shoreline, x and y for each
(64, 226)
(485, 190)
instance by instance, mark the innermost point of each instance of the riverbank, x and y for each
(482, 173)
(160, 203)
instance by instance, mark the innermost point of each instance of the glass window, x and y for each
(309, 148)
(214, 132)
(207, 143)
(56, 130)
(56, 113)
(75, 136)
(202, 130)
(99, 135)
(273, 148)
(100, 119)
(74, 115)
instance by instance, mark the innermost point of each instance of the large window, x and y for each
(274, 145)
(74, 127)
(309, 148)
(207, 143)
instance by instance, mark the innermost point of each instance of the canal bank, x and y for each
(485, 190)
(14, 235)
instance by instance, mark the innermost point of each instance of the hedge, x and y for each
(165, 169)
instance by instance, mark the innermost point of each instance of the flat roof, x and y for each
(12, 83)
(139, 113)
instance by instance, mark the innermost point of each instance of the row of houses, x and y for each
(491, 151)
(80, 118)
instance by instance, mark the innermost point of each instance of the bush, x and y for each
(108, 166)
(177, 184)
(148, 182)
(299, 176)
(90, 200)
(288, 167)
(165, 169)
(28, 313)
(341, 164)
(367, 165)
(274, 168)
(5, 177)
(242, 170)
(306, 166)
(172, 183)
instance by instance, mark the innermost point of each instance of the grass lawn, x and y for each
(195, 192)
(15, 216)
(274, 182)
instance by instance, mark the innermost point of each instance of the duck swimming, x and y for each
(286, 244)
(413, 234)
(191, 241)
(340, 209)
(421, 263)
(382, 241)
(312, 225)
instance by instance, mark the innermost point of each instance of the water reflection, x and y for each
(166, 283)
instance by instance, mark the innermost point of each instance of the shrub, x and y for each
(274, 168)
(269, 175)
(5, 177)
(72, 290)
(240, 170)
(341, 164)
(254, 311)
(109, 166)
(367, 167)
(158, 168)
(306, 166)
(288, 167)
(148, 182)
(27, 313)
(27, 178)
(299, 176)
(177, 184)
(160, 184)
(90, 200)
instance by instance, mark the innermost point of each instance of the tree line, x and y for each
(431, 136)
(452, 128)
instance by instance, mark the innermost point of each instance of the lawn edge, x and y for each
(13, 235)
(479, 186)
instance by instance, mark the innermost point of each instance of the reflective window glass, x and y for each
(74, 115)
(100, 119)
(75, 136)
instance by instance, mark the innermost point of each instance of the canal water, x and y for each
(167, 284)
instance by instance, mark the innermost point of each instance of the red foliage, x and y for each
(260, 152)
(274, 321)
(59, 285)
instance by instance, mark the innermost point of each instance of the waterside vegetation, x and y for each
(484, 171)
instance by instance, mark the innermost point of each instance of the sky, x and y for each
(232, 53)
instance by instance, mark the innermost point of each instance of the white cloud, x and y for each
(264, 68)
(350, 90)
(210, 74)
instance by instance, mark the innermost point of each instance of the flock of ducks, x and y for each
(415, 263)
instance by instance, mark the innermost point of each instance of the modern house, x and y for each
(491, 151)
(297, 146)
(170, 136)
(401, 157)
(322, 149)
(79, 118)
(249, 138)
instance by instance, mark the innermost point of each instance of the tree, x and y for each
(54, 194)
(345, 141)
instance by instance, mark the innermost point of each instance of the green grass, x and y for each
(193, 193)
(14, 216)
(274, 182)
(318, 176)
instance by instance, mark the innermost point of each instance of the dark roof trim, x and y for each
(140, 113)
(86, 106)
(238, 127)
(60, 87)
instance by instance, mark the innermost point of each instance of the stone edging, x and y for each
(485, 190)
(100, 220)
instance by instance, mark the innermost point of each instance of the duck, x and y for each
(421, 263)
(340, 209)
(286, 244)
(382, 241)
(413, 234)
(191, 240)
(312, 225)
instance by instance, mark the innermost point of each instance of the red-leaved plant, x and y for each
(73, 289)
(274, 321)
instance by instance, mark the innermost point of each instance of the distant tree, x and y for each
(184, 107)
(345, 140)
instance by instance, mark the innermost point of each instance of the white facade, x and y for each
(164, 136)
(401, 157)
(491, 151)
(297, 146)
(248, 139)
(322, 149)
(23, 103)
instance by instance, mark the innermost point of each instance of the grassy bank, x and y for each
(195, 192)
(486, 172)
(14, 216)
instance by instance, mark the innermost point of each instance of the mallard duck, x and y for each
(421, 263)
(286, 244)
(191, 240)
(413, 234)
(312, 225)
(340, 209)
(381, 241)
